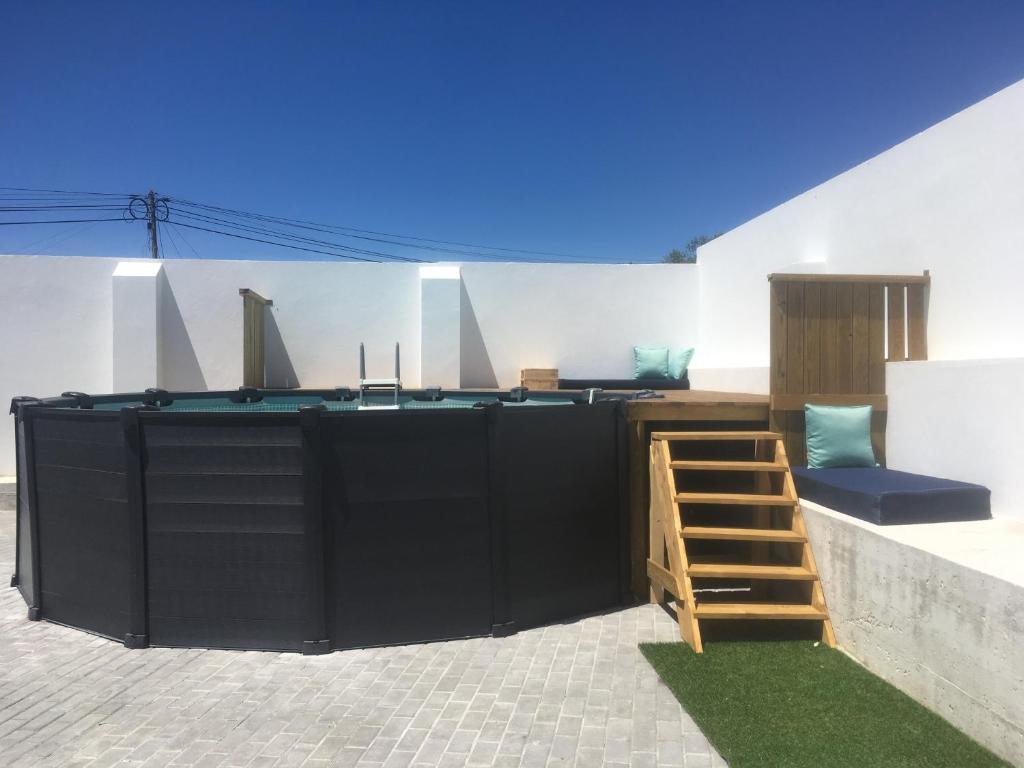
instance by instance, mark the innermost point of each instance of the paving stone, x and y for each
(576, 694)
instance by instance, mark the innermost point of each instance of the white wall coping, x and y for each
(138, 268)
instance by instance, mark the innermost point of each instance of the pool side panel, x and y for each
(316, 529)
(406, 501)
(225, 530)
(82, 507)
(559, 471)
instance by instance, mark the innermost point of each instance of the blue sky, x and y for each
(614, 131)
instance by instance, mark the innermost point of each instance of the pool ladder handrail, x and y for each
(379, 385)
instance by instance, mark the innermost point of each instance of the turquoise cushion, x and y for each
(679, 361)
(650, 362)
(839, 436)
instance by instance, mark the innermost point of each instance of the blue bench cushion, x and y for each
(626, 384)
(888, 497)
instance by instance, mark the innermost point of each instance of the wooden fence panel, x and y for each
(253, 337)
(831, 336)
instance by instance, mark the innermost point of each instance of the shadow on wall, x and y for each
(280, 373)
(179, 365)
(475, 369)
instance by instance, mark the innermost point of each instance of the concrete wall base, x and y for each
(948, 635)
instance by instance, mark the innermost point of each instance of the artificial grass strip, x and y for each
(794, 705)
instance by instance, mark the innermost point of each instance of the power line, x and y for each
(435, 249)
(270, 242)
(53, 238)
(339, 229)
(288, 236)
(15, 208)
(184, 239)
(170, 239)
(56, 221)
(215, 219)
(67, 192)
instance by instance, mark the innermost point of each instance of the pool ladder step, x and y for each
(749, 553)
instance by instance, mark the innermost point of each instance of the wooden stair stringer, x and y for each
(669, 568)
(663, 493)
(828, 635)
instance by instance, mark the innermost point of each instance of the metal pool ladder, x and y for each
(378, 386)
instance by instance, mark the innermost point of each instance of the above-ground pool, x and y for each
(292, 520)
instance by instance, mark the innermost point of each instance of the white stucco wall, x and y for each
(960, 419)
(582, 319)
(949, 200)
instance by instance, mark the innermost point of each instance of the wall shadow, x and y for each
(179, 366)
(280, 373)
(475, 368)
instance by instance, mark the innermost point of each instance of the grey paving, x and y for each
(577, 694)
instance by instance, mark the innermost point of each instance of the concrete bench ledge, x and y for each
(935, 609)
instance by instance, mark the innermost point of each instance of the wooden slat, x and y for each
(766, 500)
(663, 578)
(861, 353)
(779, 277)
(642, 514)
(917, 327)
(796, 437)
(794, 338)
(876, 338)
(730, 466)
(740, 534)
(897, 334)
(797, 402)
(827, 336)
(844, 338)
(744, 571)
(777, 332)
(812, 338)
(663, 490)
(686, 436)
(781, 611)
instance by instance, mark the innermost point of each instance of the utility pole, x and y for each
(154, 250)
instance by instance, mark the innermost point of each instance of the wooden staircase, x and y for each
(728, 539)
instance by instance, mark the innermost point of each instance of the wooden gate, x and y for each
(831, 336)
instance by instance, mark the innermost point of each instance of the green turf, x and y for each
(794, 705)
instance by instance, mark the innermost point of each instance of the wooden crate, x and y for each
(539, 378)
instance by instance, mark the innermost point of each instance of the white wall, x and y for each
(962, 420)
(321, 312)
(949, 199)
(582, 319)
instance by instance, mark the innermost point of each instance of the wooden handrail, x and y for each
(249, 293)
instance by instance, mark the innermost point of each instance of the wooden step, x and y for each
(684, 436)
(756, 499)
(742, 534)
(781, 611)
(743, 571)
(730, 466)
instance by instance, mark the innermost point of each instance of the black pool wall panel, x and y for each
(225, 530)
(23, 567)
(82, 510)
(559, 481)
(408, 526)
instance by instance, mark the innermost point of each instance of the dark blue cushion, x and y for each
(888, 497)
(626, 384)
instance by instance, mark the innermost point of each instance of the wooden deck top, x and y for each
(700, 405)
